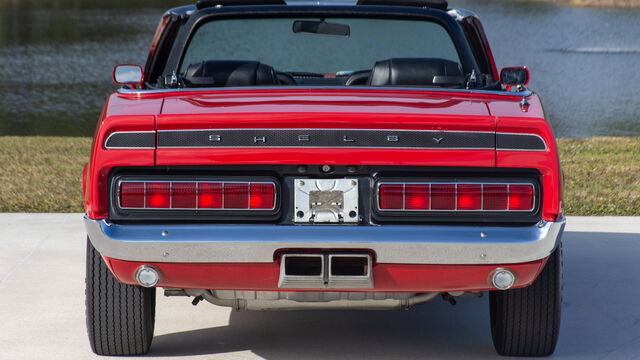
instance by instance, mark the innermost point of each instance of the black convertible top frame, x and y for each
(435, 4)
(211, 3)
(291, 11)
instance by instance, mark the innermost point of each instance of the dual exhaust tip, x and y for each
(326, 271)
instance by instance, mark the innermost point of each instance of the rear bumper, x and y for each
(390, 244)
(387, 278)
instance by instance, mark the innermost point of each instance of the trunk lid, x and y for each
(326, 127)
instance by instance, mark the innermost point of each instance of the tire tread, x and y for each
(525, 322)
(120, 317)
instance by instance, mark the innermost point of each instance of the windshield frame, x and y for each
(199, 18)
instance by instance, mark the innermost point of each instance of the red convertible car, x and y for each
(323, 155)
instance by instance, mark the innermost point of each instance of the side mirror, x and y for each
(514, 76)
(127, 74)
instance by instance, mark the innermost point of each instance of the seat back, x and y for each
(415, 71)
(216, 73)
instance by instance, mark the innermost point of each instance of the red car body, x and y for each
(191, 256)
(331, 109)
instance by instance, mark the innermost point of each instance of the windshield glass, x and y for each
(320, 47)
(273, 42)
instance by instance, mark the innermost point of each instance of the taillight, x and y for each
(132, 194)
(261, 196)
(197, 195)
(157, 195)
(520, 197)
(447, 197)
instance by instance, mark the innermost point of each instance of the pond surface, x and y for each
(56, 58)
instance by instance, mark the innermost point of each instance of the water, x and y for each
(56, 58)
(585, 63)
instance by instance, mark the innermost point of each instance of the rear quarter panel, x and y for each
(119, 114)
(511, 117)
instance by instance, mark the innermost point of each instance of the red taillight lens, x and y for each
(210, 195)
(157, 195)
(132, 194)
(183, 195)
(416, 197)
(469, 197)
(391, 196)
(261, 196)
(520, 197)
(236, 196)
(443, 196)
(456, 197)
(495, 196)
(194, 195)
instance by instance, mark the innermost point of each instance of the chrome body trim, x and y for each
(139, 92)
(339, 129)
(158, 146)
(338, 212)
(400, 244)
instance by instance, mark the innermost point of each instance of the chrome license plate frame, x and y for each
(326, 201)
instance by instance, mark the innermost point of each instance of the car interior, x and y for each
(414, 72)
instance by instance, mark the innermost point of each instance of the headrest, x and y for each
(416, 71)
(217, 73)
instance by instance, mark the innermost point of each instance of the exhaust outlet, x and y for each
(326, 271)
(350, 271)
(302, 271)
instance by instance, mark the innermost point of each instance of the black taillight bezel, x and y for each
(118, 213)
(404, 216)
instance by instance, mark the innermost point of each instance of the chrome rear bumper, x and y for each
(395, 244)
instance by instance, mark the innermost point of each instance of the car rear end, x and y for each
(322, 196)
(406, 197)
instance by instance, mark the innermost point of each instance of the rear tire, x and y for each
(526, 322)
(120, 318)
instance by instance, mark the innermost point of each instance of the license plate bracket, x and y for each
(326, 201)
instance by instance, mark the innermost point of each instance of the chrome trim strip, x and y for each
(401, 244)
(507, 211)
(317, 129)
(334, 129)
(323, 147)
(106, 141)
(139, 92)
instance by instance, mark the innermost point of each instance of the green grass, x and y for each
(43, 174)
(602, 175)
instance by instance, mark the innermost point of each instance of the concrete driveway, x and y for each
(42, 307)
